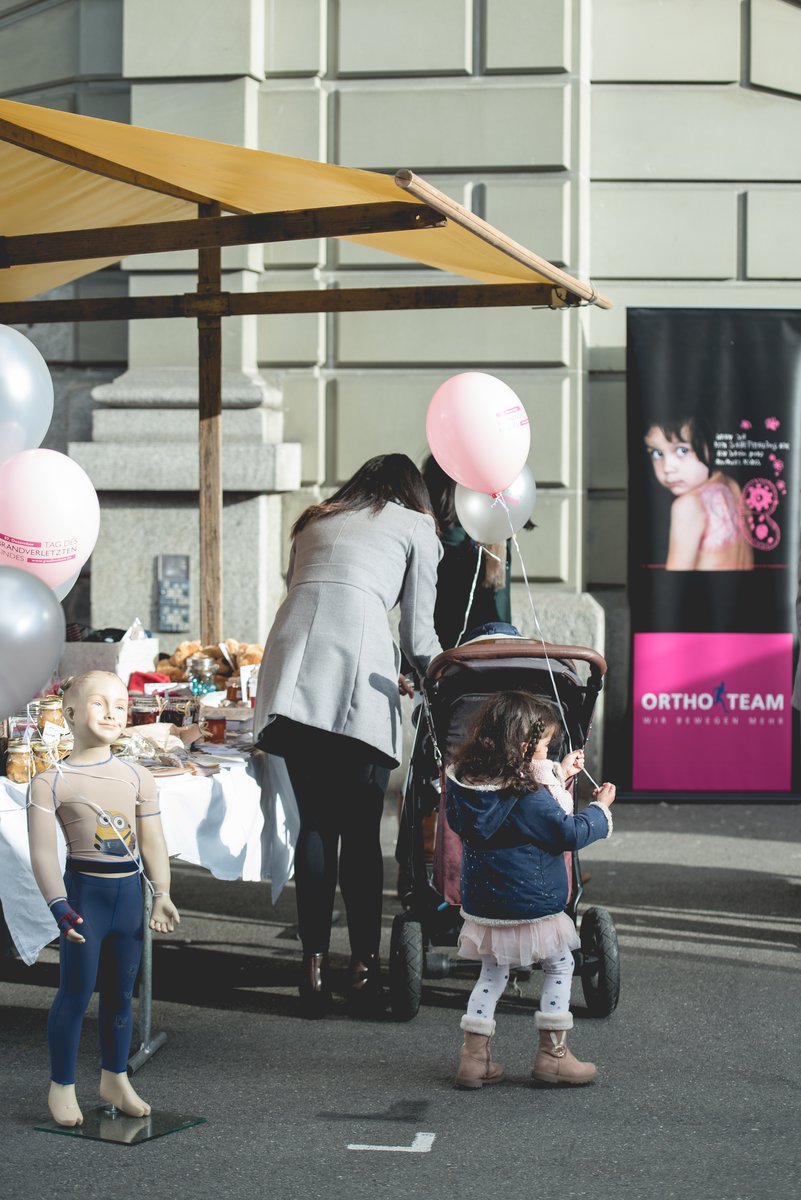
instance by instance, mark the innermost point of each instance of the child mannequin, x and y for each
(109, 812)
(515, 832)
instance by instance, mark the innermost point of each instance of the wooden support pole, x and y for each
(210, 492)
(118, 241)
(228, 304)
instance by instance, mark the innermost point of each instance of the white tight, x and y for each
(554, 997)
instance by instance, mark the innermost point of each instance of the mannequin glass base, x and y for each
(107, 1124)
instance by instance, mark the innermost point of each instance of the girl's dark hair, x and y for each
(442, 490)
(700, 435)
(493, 749)
(378, 482)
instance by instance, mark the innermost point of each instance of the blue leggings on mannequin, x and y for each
(112, 921)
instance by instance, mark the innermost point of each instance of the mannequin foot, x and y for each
(63, 1105)
(117, 1090)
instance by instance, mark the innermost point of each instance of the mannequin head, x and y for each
(95, 708)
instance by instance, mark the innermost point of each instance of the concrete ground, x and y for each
(698, 1093)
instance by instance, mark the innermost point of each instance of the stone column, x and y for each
(196, 70)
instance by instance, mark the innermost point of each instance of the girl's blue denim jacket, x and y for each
(512, 865)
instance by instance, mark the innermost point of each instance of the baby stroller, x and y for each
(455, 684)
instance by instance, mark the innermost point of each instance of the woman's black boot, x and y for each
(314, 987)
(365, 995)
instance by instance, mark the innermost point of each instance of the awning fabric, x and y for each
(62, 171)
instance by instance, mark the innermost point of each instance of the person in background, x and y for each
(492, 598)
(328, 701)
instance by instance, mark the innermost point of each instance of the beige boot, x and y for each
(554, 1063)
(475, 1061)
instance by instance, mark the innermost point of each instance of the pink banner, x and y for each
(712, 712)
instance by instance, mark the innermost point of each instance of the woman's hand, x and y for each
(164, 916)
(405, 685)
(605, 794)
(573, 763)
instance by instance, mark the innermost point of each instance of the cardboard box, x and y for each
(121, 657)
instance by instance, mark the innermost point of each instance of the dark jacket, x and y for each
(512, 864)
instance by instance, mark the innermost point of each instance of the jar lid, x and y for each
(50, 702)
(15, 744)
(200, 662)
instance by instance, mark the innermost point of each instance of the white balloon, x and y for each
(26, 394)
(488, 519)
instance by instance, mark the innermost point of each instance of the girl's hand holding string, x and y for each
(573, 763)
(605, 794)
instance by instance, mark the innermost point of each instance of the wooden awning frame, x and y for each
(209, 304)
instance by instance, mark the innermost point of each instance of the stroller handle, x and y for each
(516, 648)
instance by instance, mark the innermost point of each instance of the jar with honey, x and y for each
(50, 712)
(42, 755)
(19, 767)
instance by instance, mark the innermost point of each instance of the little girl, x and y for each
(515, 832)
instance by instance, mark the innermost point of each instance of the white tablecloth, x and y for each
(227, 823)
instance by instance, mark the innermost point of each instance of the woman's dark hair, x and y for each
(442, 490)
(700, 435)
(493, 749)
(378, 482)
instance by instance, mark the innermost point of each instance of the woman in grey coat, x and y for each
(328, 699)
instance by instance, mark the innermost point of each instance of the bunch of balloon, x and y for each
(49, 522)
(479, 434)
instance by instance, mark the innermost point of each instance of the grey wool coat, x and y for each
(330, 659)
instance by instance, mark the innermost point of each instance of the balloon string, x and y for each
(481, 551)
(541, 638)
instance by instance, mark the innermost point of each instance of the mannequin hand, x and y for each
(573, 763)
(66, 919)
(164, 916)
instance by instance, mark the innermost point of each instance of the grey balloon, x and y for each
(486, 519)
(26, 394)
(31, 637)
(63, 589)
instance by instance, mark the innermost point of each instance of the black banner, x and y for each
(714, 420)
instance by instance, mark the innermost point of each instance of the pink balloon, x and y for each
(478, 431)
(49, 515)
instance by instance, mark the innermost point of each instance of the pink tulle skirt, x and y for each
(519, 945)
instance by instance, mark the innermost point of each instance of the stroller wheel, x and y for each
(600, 971)
(405, 967)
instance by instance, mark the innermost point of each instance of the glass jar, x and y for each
(50, 712)
(65, 745)
(21, 724)
(42, 755)
(175, 711)
(145, 710)
(19, 768)
(234, 691)
(200, 671)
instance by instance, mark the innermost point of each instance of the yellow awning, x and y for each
(61, 172)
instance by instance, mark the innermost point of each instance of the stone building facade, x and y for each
(652, 146)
